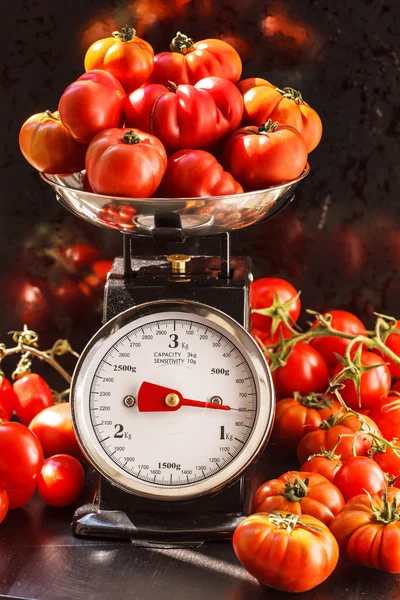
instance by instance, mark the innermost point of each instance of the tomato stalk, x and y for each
(289, 522)
(291, 94)
(295, 491)
(55, 116)
(313, 400)
(131, 137)
(279, 313)
(389, 511)
(181, 43)
(324, 453)
(125, 35)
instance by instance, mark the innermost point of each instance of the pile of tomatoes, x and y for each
(341, 496)
(174, 124)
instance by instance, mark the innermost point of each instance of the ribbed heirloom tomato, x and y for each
(386, 414)
(32, 396)
(124, 55)
(330, 345)
(190, 61)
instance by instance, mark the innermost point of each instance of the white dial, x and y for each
(168, 402)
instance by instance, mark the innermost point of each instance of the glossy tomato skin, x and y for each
(205, 58)
(189, 116)
(4, 503)
(28, 300)
(262, 294)
(61, 480)
(323, 500)
(375, 384)
(54, 430)
(93, 102)
(293, 418)
(48, 145)
(32, 396)
(328, 467)
(389, 460)
(79, 256)
(359, 473)
(294, 561)
(327, 437)
(260, 160)
(21, 456)
(330, 345)
(7, 397)
(363, 538)
(393, 343)
(120, 167)
(263, 102)
(129, 61)
(20, 496)
(386, 415)
(305, 372)
(196, 173)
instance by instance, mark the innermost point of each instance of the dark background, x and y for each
(339, 241)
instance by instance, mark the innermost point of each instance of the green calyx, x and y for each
(55, 116)
(353, 370)
(131, 137)
(125, 35)
(296, 491)
(181, 43)
(278, 312)
(291, 94)
(289, 522)
(268, 127)
(329, 454)
(389, 512)
(313, 400)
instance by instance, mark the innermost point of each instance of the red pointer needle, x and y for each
(157, 398)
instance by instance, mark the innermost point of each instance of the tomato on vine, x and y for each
(359, 474)
(386, 414)
(329, 345)
(305, 372)
(7, 397)
(325, 463)
(20, 496)
(388, 458)
(21, 456)
(274, 303)
(392, 342)
(32, 396)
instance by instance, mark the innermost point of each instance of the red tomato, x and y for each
(393, 343)
(61, 480)
(71, 296)
(20, 496)
(125, 162)
(328, 345)
(264, 101)
(359, 474)
(127, 57)
(368, 530)
(7, 397)
(386, 414)
(28, 301)
(186, 116)
(396, 387)
(191, 61)
(32, 396)
(54, 430)
(4, 503)
(305, 372)
(79, 256)
(101, 268)
(286, 552)
(196, 173)
(261, 157)
(328, 433)
(300, 494)
(276, 297)
(389, 459)
(21, 456)
(297, 416)
(325, 463)
(375, 384)
(48, 146)
(93, 102)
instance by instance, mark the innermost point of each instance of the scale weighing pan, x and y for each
(194, 216)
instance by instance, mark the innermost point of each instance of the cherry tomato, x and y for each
(305, 372)
(20, 496)
(7, 397)
(297, 416)
(330, 345)
(368, 530)
(328, 434)
(28, 300)
(278, 297)
(359, 474)
(300, 493)
(325, 463)
(389, 459)
(393, 343)
(386, 414)
(191, 61)
(61, 480)
(374, 385)
(54, 430)
(48, 146)
(71, 296)
(4, 503)
(127, 57)
(257, 157)
(93, 102)
(79, 256)
(32, 396)
(287, 552)
(21, 456)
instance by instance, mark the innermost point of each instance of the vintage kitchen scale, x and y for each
(172, 400)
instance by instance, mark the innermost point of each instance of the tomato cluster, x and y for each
(143, 124)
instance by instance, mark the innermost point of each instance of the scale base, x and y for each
(148, 531)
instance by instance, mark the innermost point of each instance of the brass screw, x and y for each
(216, 400)
(178, 262)
(129, 401)
(172, 400)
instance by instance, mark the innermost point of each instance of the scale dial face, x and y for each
(172, 400)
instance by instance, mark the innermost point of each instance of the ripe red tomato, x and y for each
(191, 61)
(294, 417)
(186, 116)
(393, 343)
(93, 102)
(300, 493)
(305, 372)
(328, 345)
(7, 397)
(32, 396)
(328, 433)
(375, 384)
(48, 146)
(21, 456)
(386, 414)
(359, 474)
(29, 302)
(125, 162)
(20, 496)
(325, 463)
(275, 295)
(368, 530)
(258, 157)
(127, 57)
(196, 173)
(79, 256)
(264, 101)
(396, 387)
(389, 459)
(3, 503)
(54, 430)
(287, 552)
(61, 480)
